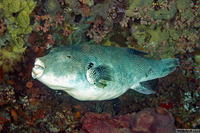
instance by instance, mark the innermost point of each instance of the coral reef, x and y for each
(162, 28)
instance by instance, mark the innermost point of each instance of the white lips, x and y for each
(38, 68)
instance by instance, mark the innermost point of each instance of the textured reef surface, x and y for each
(162, 28)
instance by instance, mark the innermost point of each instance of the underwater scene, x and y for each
(99, 66)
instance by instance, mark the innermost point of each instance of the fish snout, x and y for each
(38, 68)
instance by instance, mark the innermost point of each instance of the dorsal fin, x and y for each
(136, 52)
(142, 89)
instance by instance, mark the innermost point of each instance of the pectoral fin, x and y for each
(99, 76)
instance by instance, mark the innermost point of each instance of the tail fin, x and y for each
(168, 66)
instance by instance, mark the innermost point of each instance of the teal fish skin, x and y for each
(95, 72)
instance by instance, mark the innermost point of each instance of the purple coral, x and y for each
(157, 120)
(146, 121)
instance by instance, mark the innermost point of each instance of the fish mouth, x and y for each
(38, 68)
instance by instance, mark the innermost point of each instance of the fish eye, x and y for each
(90, 66)
(68, 56)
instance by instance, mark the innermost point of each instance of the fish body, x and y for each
(95, 72)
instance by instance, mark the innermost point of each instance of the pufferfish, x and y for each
(95, 72)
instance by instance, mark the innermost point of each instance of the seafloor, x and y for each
(162, 28)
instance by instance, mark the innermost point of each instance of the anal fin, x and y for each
(142, 89)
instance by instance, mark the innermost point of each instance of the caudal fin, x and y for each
(168, 66)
